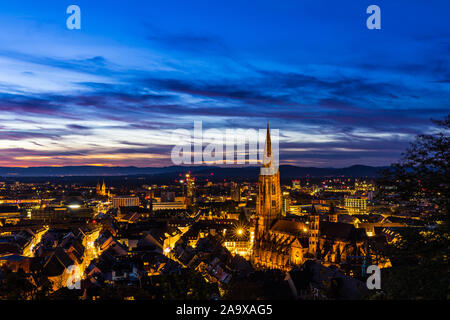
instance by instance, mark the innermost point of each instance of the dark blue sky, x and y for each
(112, 92)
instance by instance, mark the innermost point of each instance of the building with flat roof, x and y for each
(125, 202)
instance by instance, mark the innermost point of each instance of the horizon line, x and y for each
(187, 166)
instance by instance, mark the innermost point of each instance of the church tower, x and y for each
(332, 215)
(314, 220)
(268, 202)
(101, 189)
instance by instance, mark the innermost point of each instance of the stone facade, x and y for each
(284, 244)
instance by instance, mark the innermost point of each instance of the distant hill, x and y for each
(286, 171)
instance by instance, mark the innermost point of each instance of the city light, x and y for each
(224, 152)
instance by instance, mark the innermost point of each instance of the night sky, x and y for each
(113, 92)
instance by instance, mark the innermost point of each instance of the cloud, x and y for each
(77, 127)
(101, 105)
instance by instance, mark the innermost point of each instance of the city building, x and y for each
(355, 205)
(286, 203)
(276, 244)
(125, 202)
(235, 192)
(190, 188)
(101, 189)
(176, 205)
(280, 243)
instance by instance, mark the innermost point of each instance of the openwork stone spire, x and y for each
(268, 206)
(268, 164)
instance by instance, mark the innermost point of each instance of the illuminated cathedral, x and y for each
(101, 189)
(280, 243)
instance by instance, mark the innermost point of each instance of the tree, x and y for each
(419, 266)
(421, 183)
(422, 176)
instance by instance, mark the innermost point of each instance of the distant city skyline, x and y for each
(112, 93)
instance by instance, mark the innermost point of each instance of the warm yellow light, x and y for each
(240, 231)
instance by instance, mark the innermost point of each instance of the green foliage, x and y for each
(420, 266)
(420, 259)
(423, 175)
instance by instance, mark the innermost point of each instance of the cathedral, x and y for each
(101, 189)
(282, 244)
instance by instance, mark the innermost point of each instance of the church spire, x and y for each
(268, 146)
(268, 165)
(103, 191)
